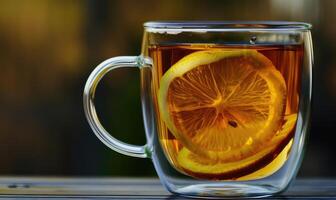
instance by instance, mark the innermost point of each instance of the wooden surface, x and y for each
(133, 188)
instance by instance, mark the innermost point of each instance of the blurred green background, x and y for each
(49, 47)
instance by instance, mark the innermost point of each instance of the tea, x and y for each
(226, 112)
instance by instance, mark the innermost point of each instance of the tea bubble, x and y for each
(253, 40)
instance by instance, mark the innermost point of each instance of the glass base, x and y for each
(223, 190)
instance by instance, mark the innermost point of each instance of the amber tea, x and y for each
(226, 112)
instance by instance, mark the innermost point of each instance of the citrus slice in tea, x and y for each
(225, 104)
(259, 165)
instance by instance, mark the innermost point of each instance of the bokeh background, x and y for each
(49, 47)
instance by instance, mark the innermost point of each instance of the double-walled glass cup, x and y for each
(226, 105)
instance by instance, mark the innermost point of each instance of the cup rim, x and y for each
(228, 25)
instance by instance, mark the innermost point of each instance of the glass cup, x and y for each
(226, 105)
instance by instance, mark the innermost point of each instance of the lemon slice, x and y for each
(224, 104)
(260, 165)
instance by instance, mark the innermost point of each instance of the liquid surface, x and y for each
(227, 147)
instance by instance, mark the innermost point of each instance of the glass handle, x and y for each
(90, 111)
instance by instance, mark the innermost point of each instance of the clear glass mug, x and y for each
(226, 105)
